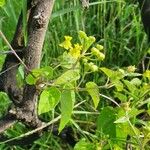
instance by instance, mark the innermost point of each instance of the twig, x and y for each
(9, 68)
(9, 52)
(13, 51)
(110, 99)
(33, 131)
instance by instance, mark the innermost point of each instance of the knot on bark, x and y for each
(39, 20)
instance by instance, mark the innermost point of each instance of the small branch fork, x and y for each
(25, 99)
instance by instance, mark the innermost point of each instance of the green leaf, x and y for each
(147, 74)
(107, 71)
(134, 112)
(47, 72)
(49, 98)
(2, 3)
(88, 42)
(93, 90)
(67, 104)
(131, 87)
(31, 80)
(4, 103)
(131, 114)
(122, 119)
(113, 75)
(123, 128)
(133, 74)
(121, 97)
(44, 73)
(66, 60)
(67, 77)
(83, 144)
(118, 84)
(21, 71)
(105, 123)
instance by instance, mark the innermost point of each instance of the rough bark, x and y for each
(7, 122)
(38, 19)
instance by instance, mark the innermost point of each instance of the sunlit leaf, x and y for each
(113, 75)
(123, 128)
(133, 74)
(93, 90)
(147, 74)
(31, 80)
(67, 104)
(122, 120)
(83, 144)
(66, 60)
(45, 73)
(120, 96)
(67, 77)
(107, 71)
(49, 98)
(4, 103)
(131, 87)
(2, 3)
(118, 84)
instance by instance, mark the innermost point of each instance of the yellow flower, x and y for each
(67, 43)
(75, 51)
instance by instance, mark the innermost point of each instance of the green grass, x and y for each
(115, 24)
(8, 18)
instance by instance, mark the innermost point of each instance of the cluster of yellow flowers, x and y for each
(79, 50)
(67, 43)
(74, 50)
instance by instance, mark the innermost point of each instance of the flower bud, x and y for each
(84, 60)
(94, 51)
(101, 56)
(131, 69)
(82, 35)
(100, 47)
(94, 68)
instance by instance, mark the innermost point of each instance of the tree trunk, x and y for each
(25, 100)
